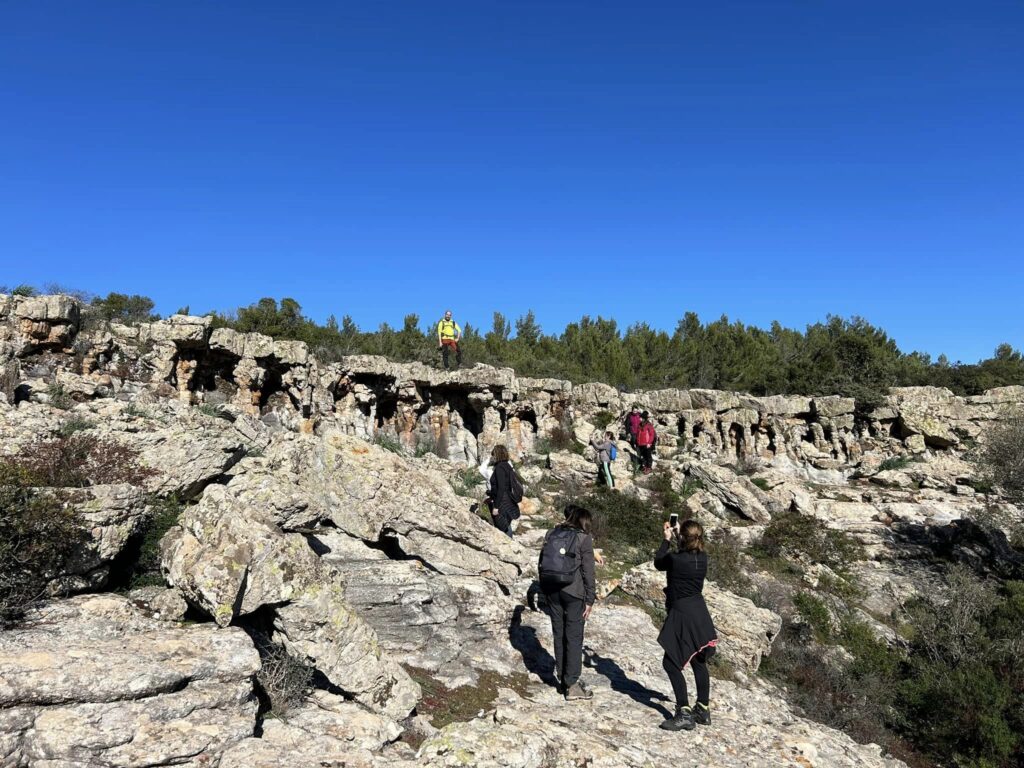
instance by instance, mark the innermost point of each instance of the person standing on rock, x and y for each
(632, 424)
(605, 448)
(688, 635)
(504, 491)
(448, 336)
(567, 578)
(646, 439)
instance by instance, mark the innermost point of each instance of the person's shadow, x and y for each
(621, 683)
(536, 658)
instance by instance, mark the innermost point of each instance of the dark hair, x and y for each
(609, 434)
(645, 415)
(499, 453)
(690, 537)
(578, 517)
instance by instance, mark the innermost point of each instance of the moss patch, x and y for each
(443, 705)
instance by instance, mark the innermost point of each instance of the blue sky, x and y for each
(765, 160)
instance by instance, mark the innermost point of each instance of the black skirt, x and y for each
(688, 630)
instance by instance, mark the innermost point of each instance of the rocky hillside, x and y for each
(265, 560)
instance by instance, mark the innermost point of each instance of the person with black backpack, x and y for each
(566, 575)
(504, 491)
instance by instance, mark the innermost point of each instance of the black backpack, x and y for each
(559, 559)
(515, 485)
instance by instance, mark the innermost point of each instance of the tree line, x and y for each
(845, 356)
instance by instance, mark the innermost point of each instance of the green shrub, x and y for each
(761, 483)
(816, 615)
(214, 411)
(603, 418)
(1002, 457)
(466, 482)
(77, 461)
(627, 529)
(37, 536)
(146, 571)
(388, 443)
(59, 397)
(725, 562)
(895, 462)
(791, 533)
(24, 290)
(72, 425)
(561, 438)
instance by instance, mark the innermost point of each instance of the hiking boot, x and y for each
(683, 721)
(702, 714)
(578, 691)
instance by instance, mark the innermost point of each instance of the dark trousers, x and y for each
(446, 350)
(646, 455)
(567, 627)
(700, 675)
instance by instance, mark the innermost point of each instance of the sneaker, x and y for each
(682, 721)
(578, 691)
(702, 714)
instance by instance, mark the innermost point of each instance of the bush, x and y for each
(1003, 456)
(894, 462)
(37, 536)
(72, 425)
(815, 614)
(624, 526)
(77, 461)
(146, 571)
(282, 678)
(794, 533)
(725, 562)
(388, 443)
(214, 411)
(602, 419)
(561, 439)
(466, 481)
(58, 397)
(761, 483)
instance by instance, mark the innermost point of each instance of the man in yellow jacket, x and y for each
(448, 336)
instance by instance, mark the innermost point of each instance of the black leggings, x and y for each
(700, 676)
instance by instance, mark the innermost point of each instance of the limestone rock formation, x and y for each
(91, 681)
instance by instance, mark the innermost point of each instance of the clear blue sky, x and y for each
(765, 160)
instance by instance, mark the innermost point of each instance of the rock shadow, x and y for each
(621, 682)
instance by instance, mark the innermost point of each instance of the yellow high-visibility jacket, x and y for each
(448, 329)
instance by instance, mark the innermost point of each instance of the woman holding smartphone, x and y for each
(688, 635)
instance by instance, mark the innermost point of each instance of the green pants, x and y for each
(606, 473)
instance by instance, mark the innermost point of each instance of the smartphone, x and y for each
(673, 520)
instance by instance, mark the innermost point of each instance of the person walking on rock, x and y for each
(606, 450)
(688, 635)
(566, 574)
(646, 439)
(448, 336)
(632, 425)
(504, 491)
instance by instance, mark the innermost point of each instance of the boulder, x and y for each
(230, 560)
(91, 681)
(735, 491)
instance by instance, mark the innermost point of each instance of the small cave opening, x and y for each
(738, 439)
(387, 410)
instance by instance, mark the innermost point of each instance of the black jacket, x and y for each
(498, 489)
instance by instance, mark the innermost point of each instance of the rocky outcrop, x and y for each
(91, 681)
(111, 515)
(462, 414)
(230, 560)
